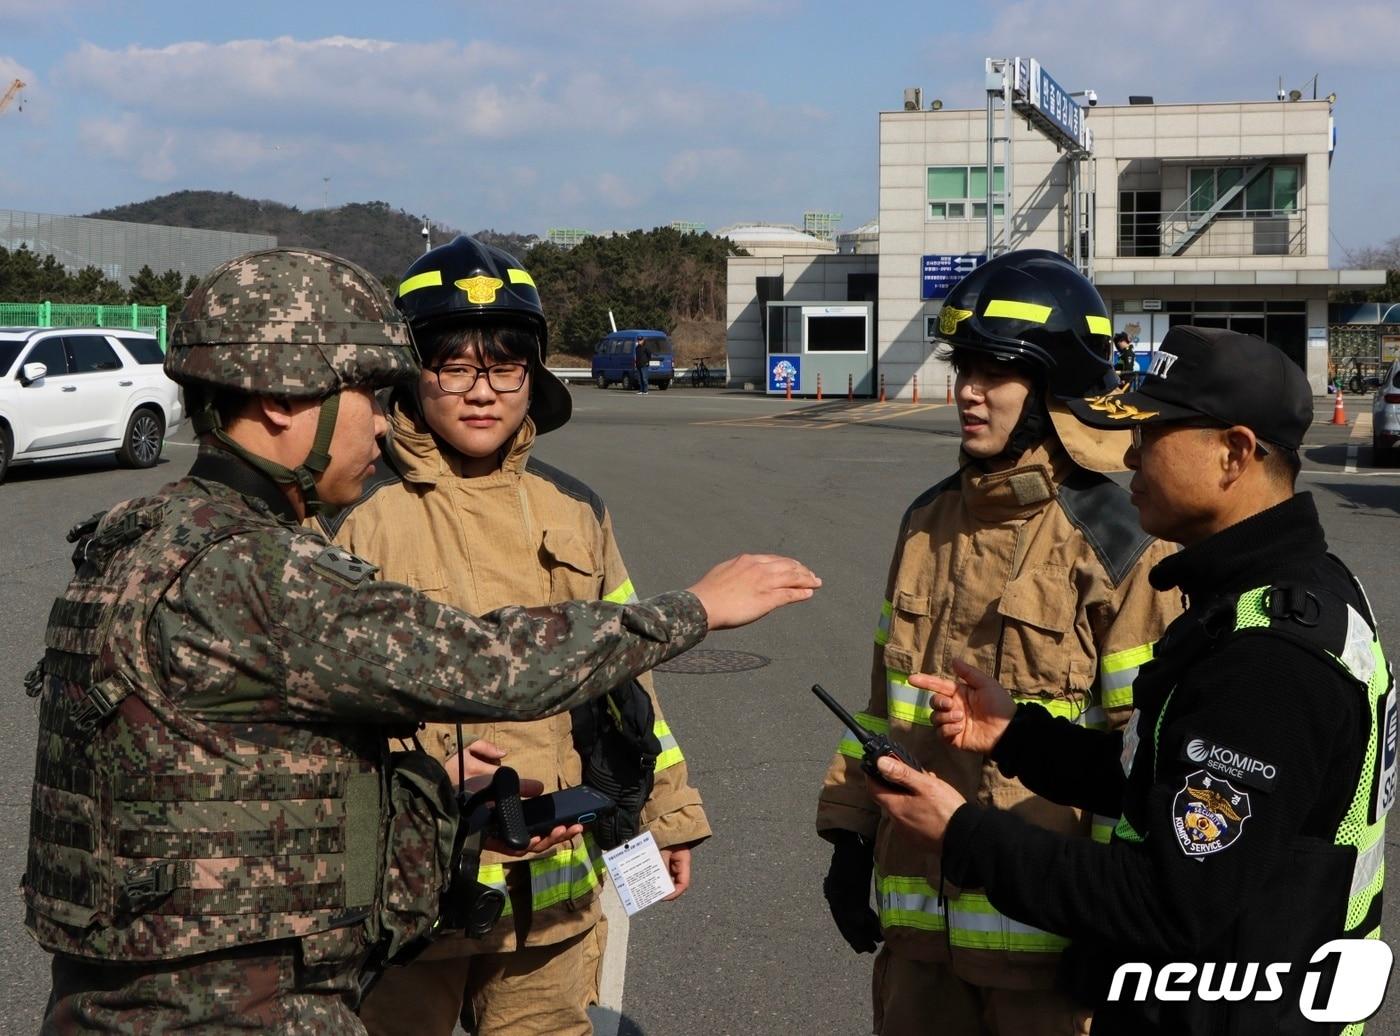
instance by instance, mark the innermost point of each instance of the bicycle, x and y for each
(701, 376)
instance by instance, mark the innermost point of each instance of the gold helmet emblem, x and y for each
(1113, 406)
(480, 289)
(949, 317)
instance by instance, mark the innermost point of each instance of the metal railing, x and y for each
(1253, 232)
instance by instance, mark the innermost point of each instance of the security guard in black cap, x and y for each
(1253, 781)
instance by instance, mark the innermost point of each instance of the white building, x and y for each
(775, 239)
(1213, 214)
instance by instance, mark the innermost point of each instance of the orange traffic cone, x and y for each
(819, 387)
(1339, 412)
(882, 388)
(916, 388)
(789, 388)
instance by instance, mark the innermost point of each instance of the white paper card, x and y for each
(638, 873)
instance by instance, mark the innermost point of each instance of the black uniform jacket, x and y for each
(1228, 868)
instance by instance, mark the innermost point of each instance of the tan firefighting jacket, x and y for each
(530, 535)
(1039, 576)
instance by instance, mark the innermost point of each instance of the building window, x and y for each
(960, 192)
(1273, 193)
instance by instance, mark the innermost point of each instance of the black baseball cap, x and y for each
(1209, 372)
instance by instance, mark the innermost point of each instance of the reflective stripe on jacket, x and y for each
(1038, 575)
(527, 534)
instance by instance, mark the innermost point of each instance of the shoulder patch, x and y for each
(344, 567)
(385, 474)
(568, 485)
(1208, 815)
(1101, 510)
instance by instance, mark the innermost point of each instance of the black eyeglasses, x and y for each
(1138, 437)
(458, 378)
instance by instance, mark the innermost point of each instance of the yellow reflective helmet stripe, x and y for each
(1099, 325)
(520, 277)
(431, 279)
(1035, 313)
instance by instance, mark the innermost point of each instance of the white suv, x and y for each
(68, 392)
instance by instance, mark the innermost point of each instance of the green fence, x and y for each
(64, 314)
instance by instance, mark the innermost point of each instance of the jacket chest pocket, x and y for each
(569, 560)
(911, 629)
(1037, 611)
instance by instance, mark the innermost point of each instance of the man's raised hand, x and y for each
(739, 591)
(972, 711)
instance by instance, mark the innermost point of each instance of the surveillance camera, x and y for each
(424, 231)
(1091, 97)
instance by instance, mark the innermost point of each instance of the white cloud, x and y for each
(708, 164)
(373, 87)
(1193, 50)
(149, 151)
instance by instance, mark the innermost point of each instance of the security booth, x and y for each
(833, 340)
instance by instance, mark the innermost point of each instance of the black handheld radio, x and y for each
(875, 745)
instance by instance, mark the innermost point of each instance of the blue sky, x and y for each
(620, 114)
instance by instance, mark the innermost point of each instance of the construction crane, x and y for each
(15, 88)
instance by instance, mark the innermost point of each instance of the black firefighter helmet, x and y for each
(465, 282)
(1035, 309)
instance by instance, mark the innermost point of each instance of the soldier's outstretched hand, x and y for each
(739, 591)
(972, 711)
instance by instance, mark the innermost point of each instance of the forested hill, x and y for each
(382, 239)
(659, 278)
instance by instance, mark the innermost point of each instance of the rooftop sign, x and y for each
(1036, 95)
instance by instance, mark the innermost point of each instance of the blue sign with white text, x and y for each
(941, 272)
(784, 368)
(1058, 106)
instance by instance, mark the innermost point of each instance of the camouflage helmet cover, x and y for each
(290, 322)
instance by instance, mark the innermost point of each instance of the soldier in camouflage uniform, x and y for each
(219, 836)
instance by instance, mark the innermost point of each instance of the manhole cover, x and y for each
(700, 661)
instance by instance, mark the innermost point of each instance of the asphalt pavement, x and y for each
(692, 477)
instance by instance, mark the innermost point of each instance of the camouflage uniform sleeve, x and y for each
(1126, 627)
(267, 627)
(673, 813)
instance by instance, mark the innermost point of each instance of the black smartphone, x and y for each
(581, 805)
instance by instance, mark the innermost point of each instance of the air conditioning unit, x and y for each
(913, 98)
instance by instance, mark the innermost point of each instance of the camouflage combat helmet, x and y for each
(467, 282)
(292, 323)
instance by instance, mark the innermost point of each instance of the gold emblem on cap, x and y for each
(480, 290)
(949, 318)
(1112, 405)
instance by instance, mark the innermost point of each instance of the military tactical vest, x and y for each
(154, 835)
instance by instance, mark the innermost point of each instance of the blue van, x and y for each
(615, 359)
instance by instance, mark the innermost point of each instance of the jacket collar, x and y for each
(1247, 553)
(222, 468)
(1018, 492)
(417, 454)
